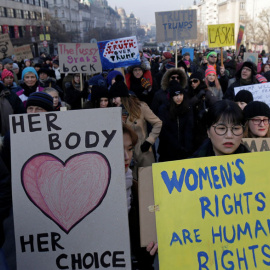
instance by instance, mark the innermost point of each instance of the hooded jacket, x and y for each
(160, 96)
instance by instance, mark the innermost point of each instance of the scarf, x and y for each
(29, 89)
(245, 82)
(129, 179)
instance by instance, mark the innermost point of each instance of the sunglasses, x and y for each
(212, 56)
(175, 77)
(194, 81)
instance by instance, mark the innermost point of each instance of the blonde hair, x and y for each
(217, 84)
(248, 134)
(133, 106)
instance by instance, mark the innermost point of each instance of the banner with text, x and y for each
(221, 35)
(6, 47)
(260, 91)
(251, 57)
(122, 52)
(79, 58)
(23, 52)
(68, 186)
(213, 212)
(176, 25)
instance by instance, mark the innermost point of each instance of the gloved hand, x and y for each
(145, 146)
(200, 94)
(145, 83)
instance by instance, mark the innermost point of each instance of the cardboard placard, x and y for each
(148, 231)
(6, 47)
(23, 52)
(79, 58)
(176, 25)
(190, 51)
(221, 35)
(213, 212)
(260, 91)
(122, 52)
(69, 190)
(251, 57)
(257, 144)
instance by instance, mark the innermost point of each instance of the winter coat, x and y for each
(51, 82)
(140, 128)
(176, 136)
(160, 96)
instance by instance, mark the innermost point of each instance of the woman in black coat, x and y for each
(176, 137)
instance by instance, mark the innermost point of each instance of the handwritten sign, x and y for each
(257, 144)
(221, 35)
(23, 52)
(213, 212)
(120, 52)
(260, 91)
(68, 188)
(79, 58)
(6, 48)
(176, 25)
(251, 57)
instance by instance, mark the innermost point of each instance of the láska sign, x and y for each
(68, 186)
(213, 212)
(221, 35)
(79, 58)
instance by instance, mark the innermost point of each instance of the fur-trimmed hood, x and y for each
(169, 73)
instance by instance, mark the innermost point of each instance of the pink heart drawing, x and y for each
(66, 192)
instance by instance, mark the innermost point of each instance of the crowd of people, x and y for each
(170, 111)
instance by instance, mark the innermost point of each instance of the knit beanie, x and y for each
(256, 108)
(40, 99)
(15, 66)
(29, 69)
(210, 69)
(167, 55)
(175, 88)
(26, 60)
(119, 88)
(250, 65)
(181, 63)
(6, 73)
(261, 79)
(196, 75)
(170, 65)
(211, 53)
(44, 70)
(112, 75)
(99, 92)
(243, 96)
(97, 80)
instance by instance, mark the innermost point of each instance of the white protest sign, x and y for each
(176, 25)
(260, 92)
(69, 191)
(79, 58)
(6, 48)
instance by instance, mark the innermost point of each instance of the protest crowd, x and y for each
(171, 110)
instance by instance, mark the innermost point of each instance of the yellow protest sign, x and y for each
(221, 35)
(213, 212)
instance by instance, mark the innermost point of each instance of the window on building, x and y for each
(56, 13)
(242, 5)
(38, 15)
(63, 14)
(2, 12)
(10, 12)
(26, 14)
(242, 18)
(55, 2)
(24, 1)
(18, 13)
(31, 2)
(32, 15)
(37, 2)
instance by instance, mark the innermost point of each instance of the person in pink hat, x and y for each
(212, 82)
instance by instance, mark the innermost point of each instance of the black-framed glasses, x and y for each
(222, 129)
(174, 77)
(258, 121)
(194, 81)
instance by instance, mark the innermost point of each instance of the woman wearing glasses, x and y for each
(225, 127)
(257, 115)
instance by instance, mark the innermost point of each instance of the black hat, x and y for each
(182, 64)
(267, 75)
(243, 96)
(99, 92)
(56, 62)
(40, 99)
(186, 53)
(44, 70)
(37, 65)
(250, 65)
(175, 88)
(7, 61)
(196, 75)
(256, 108)
(119, 88)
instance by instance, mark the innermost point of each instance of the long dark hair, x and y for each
(226, 111)
(178, 110)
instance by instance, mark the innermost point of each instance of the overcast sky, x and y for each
(145, 9)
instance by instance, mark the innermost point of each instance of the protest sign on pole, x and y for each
(213, 212)
(239, 39)
(257, 144)
(176, 25)
(23, 52)
(69, 190)
(120, 52)
(251, 57)
(221, 35)
(260, 91)
(79, 58)
(6, 47)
